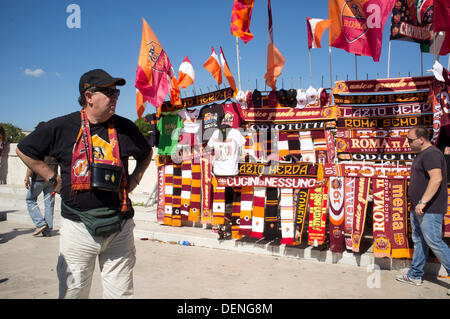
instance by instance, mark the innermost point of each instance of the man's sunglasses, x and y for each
(109, 92)
(411, 140)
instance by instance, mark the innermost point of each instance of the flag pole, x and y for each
(356, 68)
(421, 62)
(238, 64)
(331, 74)
(310, 69)
(389, 59)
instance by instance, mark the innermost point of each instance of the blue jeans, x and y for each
(49, 203)
(426, 234)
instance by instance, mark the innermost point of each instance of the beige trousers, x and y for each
(78, 251)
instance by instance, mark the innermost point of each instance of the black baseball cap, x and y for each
(98, 78)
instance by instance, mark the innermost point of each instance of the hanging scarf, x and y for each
(83, 158)
(287, 216)
(176, 197)
(236, 214)
(259, 202)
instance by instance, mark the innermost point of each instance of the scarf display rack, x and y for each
(320, 174)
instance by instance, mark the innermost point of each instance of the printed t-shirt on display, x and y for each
(169, 127)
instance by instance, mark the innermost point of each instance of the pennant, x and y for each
(241, 15)
(336, 214)
(213, 66)
(186, 74)
(226, 71)
(316, 27)
(174, 90)
(275, 61)
(154, 68)
(357, 25)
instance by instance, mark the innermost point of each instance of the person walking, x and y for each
(428, 194)
(36, 185)
(92, 147)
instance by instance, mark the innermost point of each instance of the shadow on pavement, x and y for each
(5, 237)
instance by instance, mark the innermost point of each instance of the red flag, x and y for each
(153, 70)
(441, 15)
(275, 61)
(357, 25)
(213, 66)
(241, 15)
(226, 71)
(140, 103)
(316, 28)
(186, 74)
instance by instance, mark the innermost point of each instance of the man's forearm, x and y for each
(37, 166)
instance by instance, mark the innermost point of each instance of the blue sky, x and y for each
(41, 59)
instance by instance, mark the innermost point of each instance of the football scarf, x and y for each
(245, 224)
(287, 216)
(236, 214)
(271, 223)
(206, 190)
(301, 198)
(331, 149)
(248, 148)
(161, 196)
(294, 145)
(267, 144)
(196, 190)
(259, 203)
(399, 230)
(258, 143)
(168, 191)
(176, 197)
(385, 122)
(350, 184)
(83, 157)
(307, 147)
(336, 217)
(283, 145)
(186, 180)
(446, 224)
(218, 208)
(381, 222)
(361, 198)
(317, 215)
(320, 146)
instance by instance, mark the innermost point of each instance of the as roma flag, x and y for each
(357, 25)
(153, 71)
(241, 16)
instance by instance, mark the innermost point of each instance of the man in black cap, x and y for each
(92, 147)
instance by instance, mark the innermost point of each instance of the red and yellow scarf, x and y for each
(83, 157)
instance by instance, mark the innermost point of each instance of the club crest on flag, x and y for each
(154, 51)
(354, 20)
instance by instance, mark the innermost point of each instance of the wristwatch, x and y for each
(422, 202)
(52, 180)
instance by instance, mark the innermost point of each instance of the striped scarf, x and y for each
(176, 199)
(168, 190)
(287, 216)
(271, 222)
(218, 208)
(194, 210)
(307, 147)
(160, 190)
(283, 145)
(259, 201)
(245, 225)
(294, 145)
(186, 180)
(236, 214)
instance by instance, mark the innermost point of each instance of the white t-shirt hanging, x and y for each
(191, 124)
(226, 152)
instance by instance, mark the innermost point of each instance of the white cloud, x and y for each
(34, 73)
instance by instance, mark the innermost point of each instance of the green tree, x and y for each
(13, 134)
(143, 126)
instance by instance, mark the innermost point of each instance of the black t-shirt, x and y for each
(426, 160)
(57, 138)
(211, 117)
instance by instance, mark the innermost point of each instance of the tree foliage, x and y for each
(143, 126)
(13, 134)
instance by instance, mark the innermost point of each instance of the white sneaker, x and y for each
(411, 281)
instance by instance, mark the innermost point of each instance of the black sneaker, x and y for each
(46, 232)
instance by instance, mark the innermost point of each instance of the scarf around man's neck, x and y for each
(83, 158)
